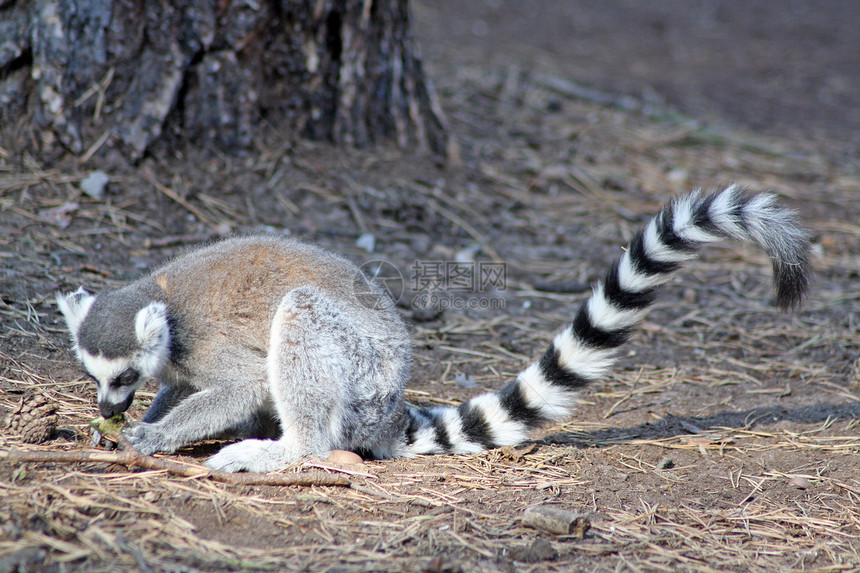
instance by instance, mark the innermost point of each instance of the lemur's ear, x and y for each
(153, 335)
(75, 307)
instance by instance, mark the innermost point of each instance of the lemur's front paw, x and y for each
(149, 438)
(252, 456)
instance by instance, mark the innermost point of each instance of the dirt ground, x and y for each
(727, 439)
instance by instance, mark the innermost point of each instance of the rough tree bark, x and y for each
(87, 74)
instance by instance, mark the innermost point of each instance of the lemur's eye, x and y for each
(126, 378)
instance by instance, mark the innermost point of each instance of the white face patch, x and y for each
(104, 370)
(101, 368)
(118, 395)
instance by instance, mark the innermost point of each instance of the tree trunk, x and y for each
(134, 74)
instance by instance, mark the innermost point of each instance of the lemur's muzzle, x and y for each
(109, 410)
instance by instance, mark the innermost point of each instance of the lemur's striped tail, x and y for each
(584, 351)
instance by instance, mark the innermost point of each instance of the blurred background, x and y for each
(789, 68)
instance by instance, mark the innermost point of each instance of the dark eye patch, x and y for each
(128, 377)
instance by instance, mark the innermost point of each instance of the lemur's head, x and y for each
(121, 338)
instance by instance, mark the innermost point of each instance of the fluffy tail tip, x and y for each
(792, 282)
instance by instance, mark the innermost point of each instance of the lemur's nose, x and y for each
(109, 410)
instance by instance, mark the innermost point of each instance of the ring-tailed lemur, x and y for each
(253, 329)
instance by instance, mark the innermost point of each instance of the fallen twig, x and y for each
(556, 520)
(133, 458)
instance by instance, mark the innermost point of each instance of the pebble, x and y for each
(800, 482)
(94, 184)
(344, 457)
(367, 242)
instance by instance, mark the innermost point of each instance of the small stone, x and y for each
(800, 482)
(677, 175)
(94, 184)
(516, 454)
(556, 520)
(367, 242)
(465, 380)
(467, 255)
(344, 457)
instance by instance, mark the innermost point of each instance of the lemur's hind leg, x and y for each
(324, 379)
